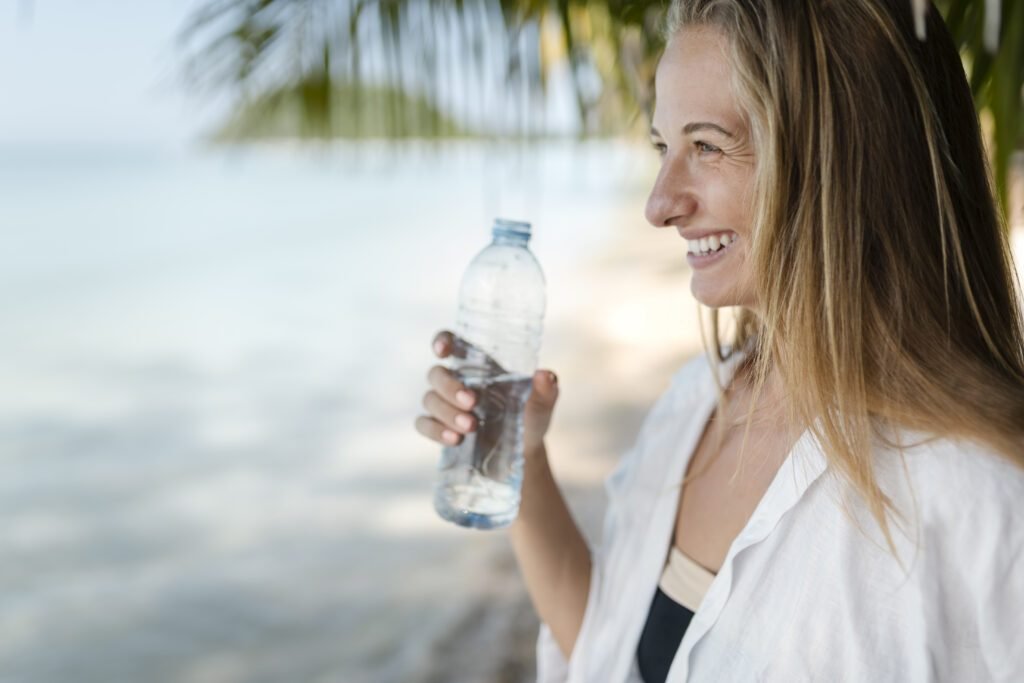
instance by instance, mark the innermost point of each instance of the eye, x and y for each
(705, 147)
(660, 147)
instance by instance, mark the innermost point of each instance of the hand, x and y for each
(449, 402)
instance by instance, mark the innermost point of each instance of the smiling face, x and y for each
(707, 166)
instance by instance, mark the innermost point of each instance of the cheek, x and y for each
(733, 200)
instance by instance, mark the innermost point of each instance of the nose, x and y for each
(673, 199)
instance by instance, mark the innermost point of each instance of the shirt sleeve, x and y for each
(1001, 641)
(552, 665)
(986, 556)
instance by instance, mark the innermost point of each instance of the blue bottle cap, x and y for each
(516, 228)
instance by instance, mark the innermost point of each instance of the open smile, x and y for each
(708, 250)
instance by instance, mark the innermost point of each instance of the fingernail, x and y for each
(465, 398)
(463, 421)
(438, 347)
(449, 436)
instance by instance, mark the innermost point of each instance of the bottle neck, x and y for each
(508, 238)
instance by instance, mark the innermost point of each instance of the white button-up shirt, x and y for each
(803, 594)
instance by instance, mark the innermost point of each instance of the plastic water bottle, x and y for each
(500, 322)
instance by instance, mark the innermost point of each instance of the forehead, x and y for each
(694, 79)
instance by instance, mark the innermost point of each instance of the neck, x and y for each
(770, 402)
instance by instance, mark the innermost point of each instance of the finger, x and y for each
(541, 404)
(449, 415)
(545, 384)
(435, 431)
(447, 343)
(442, 343)
(446, 383)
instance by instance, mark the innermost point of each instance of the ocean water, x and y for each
(211, 364)
(212, 360)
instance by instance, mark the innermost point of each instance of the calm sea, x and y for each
(211, 362)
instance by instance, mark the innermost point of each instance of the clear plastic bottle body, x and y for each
(500, 319)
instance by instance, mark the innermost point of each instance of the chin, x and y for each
(714, 295)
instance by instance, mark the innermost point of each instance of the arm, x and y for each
(552, 554)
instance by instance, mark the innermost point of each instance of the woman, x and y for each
(836, 494)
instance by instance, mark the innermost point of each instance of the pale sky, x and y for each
(94, 72)
(102, 72)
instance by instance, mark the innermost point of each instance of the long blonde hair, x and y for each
(887, 293)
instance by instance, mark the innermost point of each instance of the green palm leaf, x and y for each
(438, 68)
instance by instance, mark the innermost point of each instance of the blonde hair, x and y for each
(887, 293)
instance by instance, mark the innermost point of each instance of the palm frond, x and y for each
(431, 68)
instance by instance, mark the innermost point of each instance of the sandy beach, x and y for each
(208, 466)
(209, 469)
(213, 355)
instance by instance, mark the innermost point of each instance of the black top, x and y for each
(666, 624)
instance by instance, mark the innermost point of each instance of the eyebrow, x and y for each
(698, 126)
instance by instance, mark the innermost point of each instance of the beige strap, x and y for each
(684, 580)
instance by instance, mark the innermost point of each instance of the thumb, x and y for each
(545, 389)
(539, 407)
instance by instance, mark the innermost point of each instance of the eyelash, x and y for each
(708, 149)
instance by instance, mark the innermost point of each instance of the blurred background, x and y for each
(230, 230)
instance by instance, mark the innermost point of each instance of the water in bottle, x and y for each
(499, 326)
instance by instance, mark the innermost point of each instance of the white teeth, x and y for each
(707, 245)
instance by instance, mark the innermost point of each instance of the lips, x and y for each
(696, 234)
